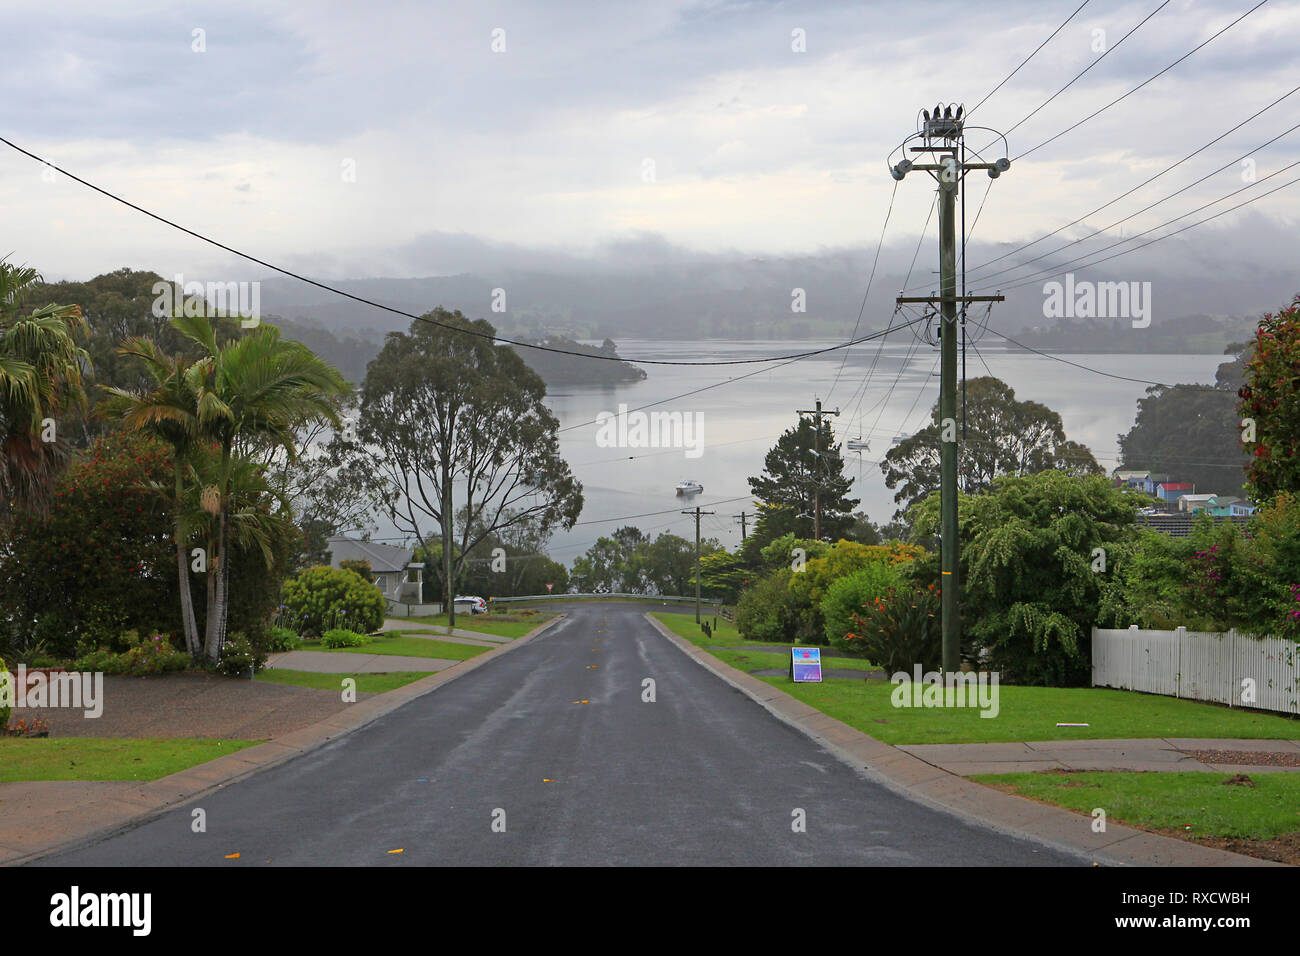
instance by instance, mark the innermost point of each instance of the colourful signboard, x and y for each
(806, 665)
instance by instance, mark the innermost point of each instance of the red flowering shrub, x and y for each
(1271, 397)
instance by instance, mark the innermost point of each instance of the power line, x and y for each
(1027, 59)
(1080, 74)
(418, 318)
(1144, 82)
(1148, 208)
(875, 262)
(1145, 182)
(738, 378)
(1030, 280)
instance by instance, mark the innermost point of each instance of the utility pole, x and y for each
(743, 530)
(942, 136)
(697, 512)
(817, 414)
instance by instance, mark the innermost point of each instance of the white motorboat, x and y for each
(689, 487)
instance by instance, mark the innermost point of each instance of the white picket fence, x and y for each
(1200, 665)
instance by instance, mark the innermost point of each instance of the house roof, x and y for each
(1175, 485)
(383, 558)
(1229, 500)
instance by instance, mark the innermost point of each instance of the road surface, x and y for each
(553, 742)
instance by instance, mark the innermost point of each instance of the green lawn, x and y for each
(1024, 713)
(1171, 800)
(90, 758)
(366, 683)
(499, 625)
(726, 635)
(398, 644)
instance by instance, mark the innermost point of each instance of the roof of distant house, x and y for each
(383, 558)
(1175, 485)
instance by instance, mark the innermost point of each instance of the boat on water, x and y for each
(689, 487)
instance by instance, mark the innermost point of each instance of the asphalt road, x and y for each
(701, 776)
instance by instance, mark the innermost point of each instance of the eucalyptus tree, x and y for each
(454, 425)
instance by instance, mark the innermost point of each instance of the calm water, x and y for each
(743, 417)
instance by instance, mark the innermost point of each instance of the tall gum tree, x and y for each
(455, 428)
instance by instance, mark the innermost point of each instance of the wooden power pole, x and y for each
(697, 512)
(941, 136)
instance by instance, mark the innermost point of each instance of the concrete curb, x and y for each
(973, 802)
(124, 810)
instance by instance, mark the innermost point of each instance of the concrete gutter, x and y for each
(973, 802)
(120, 805)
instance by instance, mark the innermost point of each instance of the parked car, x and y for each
(476, 604)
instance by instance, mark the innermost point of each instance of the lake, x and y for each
(742, 419)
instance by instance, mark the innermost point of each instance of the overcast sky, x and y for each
(539, 153)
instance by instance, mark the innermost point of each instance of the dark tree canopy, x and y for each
(1003, 437)
(1190, 433)
(793, 472)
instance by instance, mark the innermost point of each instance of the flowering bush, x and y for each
(239, 656)
(322, 598)
(143, 657)
(26, 727)
(900, 629)
(1271, 398)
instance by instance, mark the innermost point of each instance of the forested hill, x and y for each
(557, 369)
(119, 304)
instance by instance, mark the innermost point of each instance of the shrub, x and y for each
(153, 655)
(102, 559)
(766, 611)
(900, 629)
(359, 566)
(341, 638)
(322, 598)
(848, 596)
(142, 658)
(6, 693)
(283, 639)
(239, 656)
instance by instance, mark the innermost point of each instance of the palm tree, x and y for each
(252, 392)
(41, 369)
(169, 412)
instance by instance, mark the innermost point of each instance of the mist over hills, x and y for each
(648, 288)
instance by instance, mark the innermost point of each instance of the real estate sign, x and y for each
(806, 665)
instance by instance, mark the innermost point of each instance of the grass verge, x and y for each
(498, 625)
(1024, 713)
(91, 758)
(366, 683)
(1259, 814)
